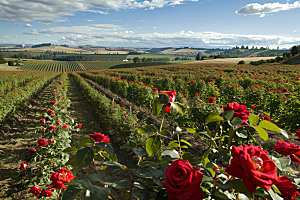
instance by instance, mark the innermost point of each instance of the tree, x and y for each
(287, 54)
(203, 57)
(294, 50)
(11, 63)
(136, 59)
(242, 47)
(2, 60)
(241, 62)
(198, 56)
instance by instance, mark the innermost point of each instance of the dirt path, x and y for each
(16, 137)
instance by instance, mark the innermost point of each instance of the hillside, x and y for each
(295, 60)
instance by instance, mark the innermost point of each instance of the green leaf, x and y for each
(97, 177)
(170, 155)
(236, 122)
(240, 186)
(71, 161)
(228, 185)
(274, 195)
(175, 108)
(163, 98)
(153, 145)
(73, 190)
(203, 133)
(84, 156)
(186, 142)
(276, 189)
(207, 177)
(241, 135)
(285, 163)
(219, 196)
(284, 133)
(128, 144)
(253, 119)
(86, 141)
(148, 163)
(228, 114)
(191, 130)
(212, 165)
(145, 172)
(142, 194)
(158, 182)
(213, 118)
(270, 126)
(70, 150)
(189, 157)
(117, 182)
(97, 192)
(156, 108)
(107, 147)
(111, 164)
(242, 197)
(166, 133)
(140, 152)
(147, 129)
(261, 132)
(277, 162)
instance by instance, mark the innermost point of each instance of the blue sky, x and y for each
(151, 23)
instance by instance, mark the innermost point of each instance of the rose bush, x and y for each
(240, 111)
(288, 149)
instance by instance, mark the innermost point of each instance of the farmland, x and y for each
(66, 101)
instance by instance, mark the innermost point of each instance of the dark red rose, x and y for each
(154, 89)
(23, 166)
(284, 90)
(211, 99)
(42, 142)
(211, 80)
(288, 149)
(266, 117)
(292, 90)
(298, 134)
(184, 96)
(253, 165)
(47, 193)
(51, 128)
(51, 141)
(42, 121)
(253, 107)
(53, 93)
(50, 112)
(65, 126)
(79, 125)
(53, 102)
(35, 190)
(240, 111)
(32, 151)
(286, 188)
(183, 181)
(60, 83)
(98, 137)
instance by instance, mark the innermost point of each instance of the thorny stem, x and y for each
(179, 144)
(231, 132)
(161, 125)
(112, 197)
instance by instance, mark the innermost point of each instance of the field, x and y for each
(234, 60)
(52, 114)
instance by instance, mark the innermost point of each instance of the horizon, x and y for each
(151, 24)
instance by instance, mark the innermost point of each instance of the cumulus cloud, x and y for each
(27, 25)
(50, 21)
(5, 37)
(32, 32)
(28, 10)
(258, 9)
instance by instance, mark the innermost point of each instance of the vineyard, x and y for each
(79, 130)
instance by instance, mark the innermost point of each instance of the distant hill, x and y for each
(295, 60)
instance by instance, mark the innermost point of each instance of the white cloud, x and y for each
(27, 25)
(295, 31)
(258, 9)
(89, 20)
(50, 21)
(47, 35)
(5, 37)
(32, 32)
(28, 10)
(16, 36)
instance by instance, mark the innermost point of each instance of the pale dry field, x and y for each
(233, 60)
(173, 51)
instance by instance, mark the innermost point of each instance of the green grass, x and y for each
(155, 56)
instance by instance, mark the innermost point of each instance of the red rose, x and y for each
(53, 102)
(211, 99)
(60, 83)
(23, 166)
(98, 137)
(253, 107)
(253, 165)
(47, 193)
(266, 117)
(183, 182)
(239, 111)
(211, 80)
(51, 128)
(298, 134)
(288, 149)
(79, 125)
(35, 190)
(184, 96)
(66, 175)
(284, 90)
(58, 122)
(55, 88)
(286, 188)
(50, 112)
(292, 90)
(32, 151)
(154, 89)
(65, 126)
(42, 121)
(42, 142)
(57, 181)
(53, 93)
(51, 141)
